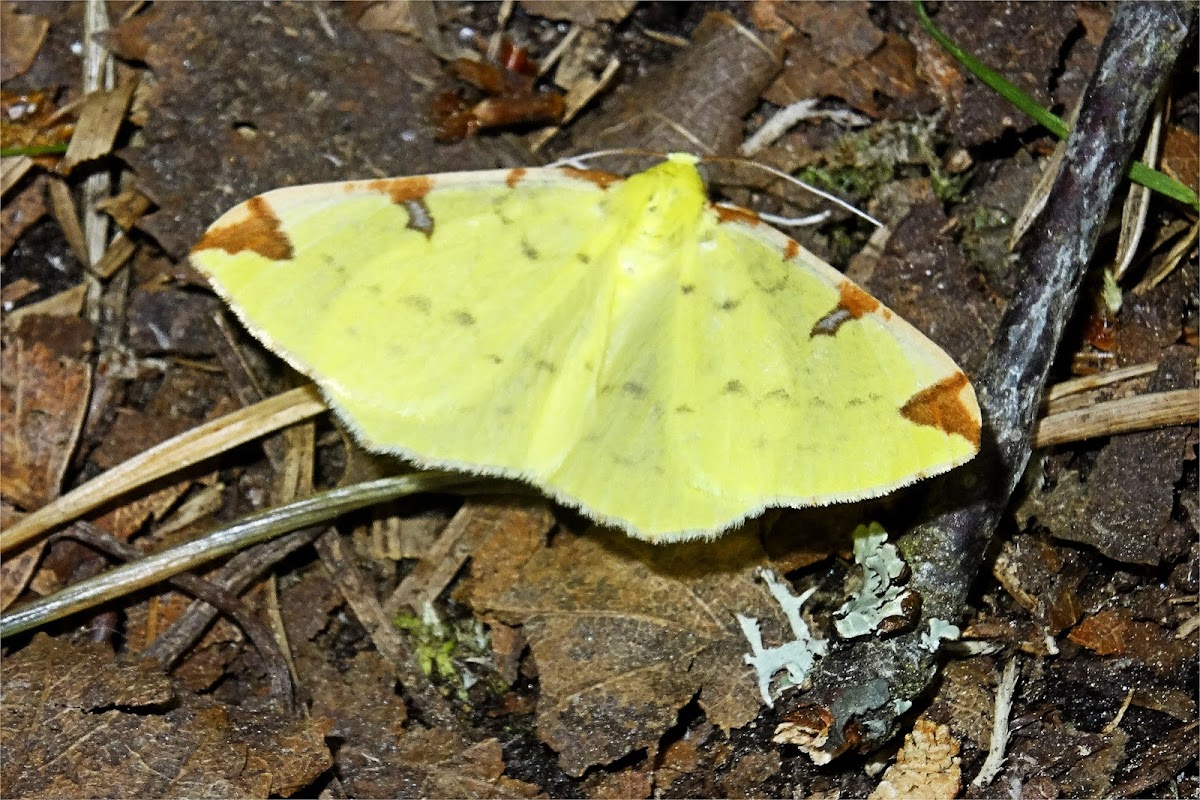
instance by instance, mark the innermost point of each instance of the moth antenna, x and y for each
(578, 161)
(796, 222)
(803, 185)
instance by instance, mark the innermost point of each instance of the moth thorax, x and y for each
(659, 211)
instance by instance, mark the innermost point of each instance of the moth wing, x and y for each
(436, 313)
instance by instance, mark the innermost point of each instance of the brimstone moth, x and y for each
(667, 365)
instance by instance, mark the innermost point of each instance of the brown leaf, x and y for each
(1042, 578)
(23, 37)
(125, 208)
(626, 633)
(478, 521)
(15, 571)
(438, 763)
(1077, 763)
(18, 215)
(840, 52)
(60, 741)
(845, 29)
(580, 13)
(46, 378)
(966, 700)
(1115, 632)
(633, 784)
(1161, 762)
(1181, 156)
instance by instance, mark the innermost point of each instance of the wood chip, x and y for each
(99, 121)
(12, 169)
(62, 203)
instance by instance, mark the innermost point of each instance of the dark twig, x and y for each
(217, 598)
(861, 689)
(241, 570)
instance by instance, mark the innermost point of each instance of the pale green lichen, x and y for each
(939, 630)
(880, 596)
(796, 657)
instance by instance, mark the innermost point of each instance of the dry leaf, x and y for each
(580, 13)
(17, 216)
(1115, 632)
(626, 633)
(77, 723)
(23, 37)
(46, 378)
(1181, 156)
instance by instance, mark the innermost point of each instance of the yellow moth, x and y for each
(667, 365)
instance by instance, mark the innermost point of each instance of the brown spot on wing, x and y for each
(942, 406)
(403, 190)
(601, 179)
(853, 303)
(260, 232)
(514, 177)
(736, 214)
(792, 250)
(855, 300)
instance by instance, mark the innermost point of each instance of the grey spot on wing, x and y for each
(828, 325)
(734, 387)
(768, 279)
(634, 389)
(498, 205)
(777, 394)
(583, 258)
(545, 366)
(684, 409)
(628, 461)
(464, 318)
(729, 305)
(687, 288)
(529, 250)
(417, 302)
(495, 359)
(419, 218)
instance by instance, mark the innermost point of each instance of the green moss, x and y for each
(443, 650)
